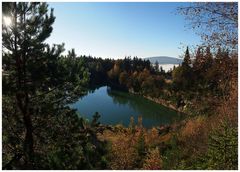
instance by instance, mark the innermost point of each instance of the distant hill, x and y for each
(164, 60)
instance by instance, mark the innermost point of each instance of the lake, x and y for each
(117, 107)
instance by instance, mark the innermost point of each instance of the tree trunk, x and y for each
(28, 142)
(22, 97)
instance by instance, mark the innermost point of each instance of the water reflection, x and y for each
(117, 107)
(144, 107)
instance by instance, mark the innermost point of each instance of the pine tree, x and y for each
(198, 59)
(156, 66)
(222, 149)
(132, 125)
(141, 148)
(161, 70)
(208, 59)
(186, 71)
(186, 60)
(38, 83)
(24, 58)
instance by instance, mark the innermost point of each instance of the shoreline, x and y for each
(159, 101)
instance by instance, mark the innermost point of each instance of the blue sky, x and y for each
(116, 30)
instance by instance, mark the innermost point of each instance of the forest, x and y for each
(40, 131)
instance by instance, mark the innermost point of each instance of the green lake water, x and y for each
(117, 107)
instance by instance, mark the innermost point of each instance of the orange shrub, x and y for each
(153, 160)
(194, 135)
